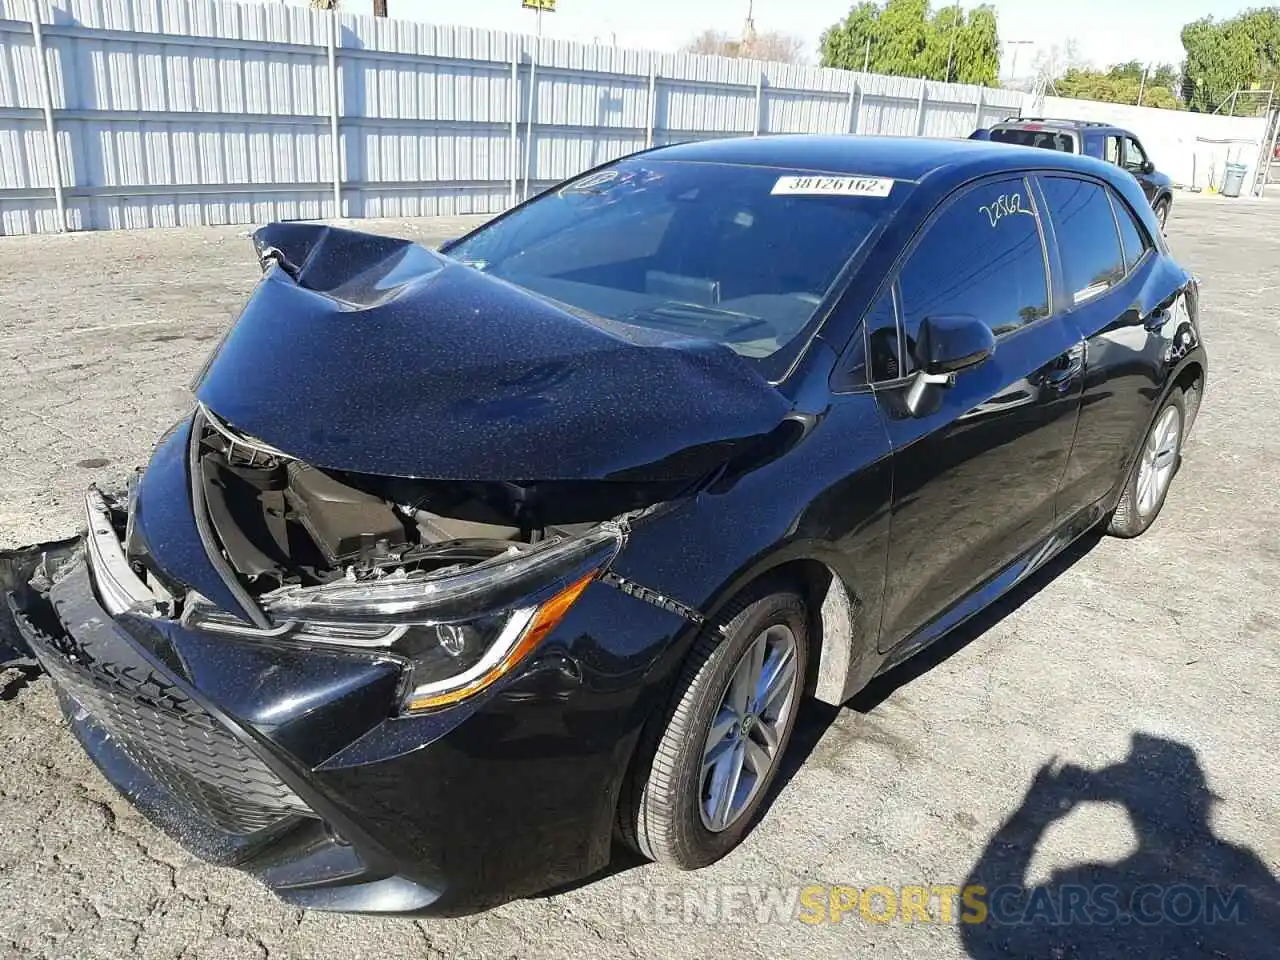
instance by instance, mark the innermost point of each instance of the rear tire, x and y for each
(669, 811)
(1157, 464)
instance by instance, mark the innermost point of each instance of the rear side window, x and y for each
(1023, 137)
(1132, 235)
(1092, 260)
(982, 257)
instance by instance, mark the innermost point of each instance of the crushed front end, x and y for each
(373, 694)
(356, 628)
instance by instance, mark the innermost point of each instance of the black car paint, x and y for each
(547, 392)
(867, 511)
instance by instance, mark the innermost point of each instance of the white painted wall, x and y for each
(1192, 148)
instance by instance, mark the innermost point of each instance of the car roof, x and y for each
(899, 158)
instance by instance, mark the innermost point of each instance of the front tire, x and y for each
(712, 755)
(1158, 461)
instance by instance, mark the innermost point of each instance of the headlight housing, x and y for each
(458, 632)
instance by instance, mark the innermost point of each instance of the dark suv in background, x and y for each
(1093, 139)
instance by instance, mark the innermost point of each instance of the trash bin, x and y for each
(1233, 179)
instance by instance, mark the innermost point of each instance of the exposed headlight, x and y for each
(453, 661)
(460, 632)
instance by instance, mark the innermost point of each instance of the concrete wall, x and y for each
(172, 112)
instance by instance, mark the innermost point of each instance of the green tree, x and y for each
(1223, 56)
(907, 38)
(1123, 83)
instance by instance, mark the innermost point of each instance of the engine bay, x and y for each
(281, 522)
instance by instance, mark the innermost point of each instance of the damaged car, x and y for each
(468, 564)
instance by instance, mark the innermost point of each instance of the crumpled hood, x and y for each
(375, 355)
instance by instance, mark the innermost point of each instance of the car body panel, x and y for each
(378, 345)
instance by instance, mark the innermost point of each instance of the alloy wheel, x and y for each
(749, 726)
(1159, 458)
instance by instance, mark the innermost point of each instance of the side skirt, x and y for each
(1004, 581)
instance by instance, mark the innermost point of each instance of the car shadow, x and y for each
(1183, 893)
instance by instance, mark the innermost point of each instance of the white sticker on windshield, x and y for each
(814, 186)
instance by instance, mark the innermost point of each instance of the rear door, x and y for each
(974, 479)
(1117, 297)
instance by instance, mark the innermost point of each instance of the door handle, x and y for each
(1157, 319)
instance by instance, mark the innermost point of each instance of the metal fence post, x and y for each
(755, 132)
(513, 146)
(1269, 145)
(855, 106)
(528, 136)
(46, 97)
(977, 113)
(335, 149)
(652, 103)
(920, 108)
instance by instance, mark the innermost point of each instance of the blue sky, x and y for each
(1106, 30)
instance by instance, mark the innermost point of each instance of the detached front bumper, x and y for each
(290, 763)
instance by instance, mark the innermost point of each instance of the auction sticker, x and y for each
(815, 186)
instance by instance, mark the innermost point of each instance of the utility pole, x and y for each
(951, 47)
(1013, 67)
(1143, 85)
(866, 60)
(379, 8)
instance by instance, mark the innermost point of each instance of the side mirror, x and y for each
(946, 346)
(1148, 167)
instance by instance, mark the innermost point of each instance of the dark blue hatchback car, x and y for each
(466, 564)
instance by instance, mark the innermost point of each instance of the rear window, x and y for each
(1023, 137)
(737, 254)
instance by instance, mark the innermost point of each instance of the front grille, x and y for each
(188, 752)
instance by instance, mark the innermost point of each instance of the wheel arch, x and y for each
(1189, 372)
(845, 642)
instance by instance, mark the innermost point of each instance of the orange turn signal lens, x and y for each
(544, 620)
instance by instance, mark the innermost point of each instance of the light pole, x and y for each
(1013, 67)
(951, 47)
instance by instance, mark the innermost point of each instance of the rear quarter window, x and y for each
(1088, 240)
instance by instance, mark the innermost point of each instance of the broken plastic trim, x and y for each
(204, 528)
(494, 585)
(119, 588)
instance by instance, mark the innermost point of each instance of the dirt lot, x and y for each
(1158, 656)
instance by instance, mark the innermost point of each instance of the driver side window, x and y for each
(982, 257)
(1135, 158)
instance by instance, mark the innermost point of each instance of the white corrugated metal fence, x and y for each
(169, 112)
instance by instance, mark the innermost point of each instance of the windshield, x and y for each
(1048, 139)
(737, 254)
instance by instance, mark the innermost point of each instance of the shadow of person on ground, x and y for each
(1184, 893)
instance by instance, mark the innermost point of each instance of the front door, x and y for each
(975, 474)
(1135, 161)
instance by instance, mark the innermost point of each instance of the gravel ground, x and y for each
(1155, 657)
